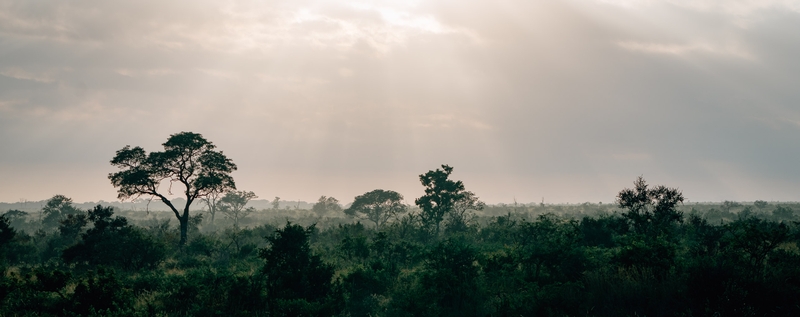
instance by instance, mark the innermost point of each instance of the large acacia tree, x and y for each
(377, 206)
(187, 159)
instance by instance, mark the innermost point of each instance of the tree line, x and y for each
(645, 258)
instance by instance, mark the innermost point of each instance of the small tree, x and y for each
(187, 159)
(377, 206)
(276, 204)
(233, 205)
(326, 205)
(650, 211)
(56, 209)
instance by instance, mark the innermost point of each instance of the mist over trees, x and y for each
(648, 254)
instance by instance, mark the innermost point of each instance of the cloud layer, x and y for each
(566, 100)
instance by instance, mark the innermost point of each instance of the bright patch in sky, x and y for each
(566, 100)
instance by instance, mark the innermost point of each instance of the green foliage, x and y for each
(57, 209)
(377, 206)
(636, 259)
(298, 282)
(115, 243)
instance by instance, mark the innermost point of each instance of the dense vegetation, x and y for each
(449, 255)
(648, 255)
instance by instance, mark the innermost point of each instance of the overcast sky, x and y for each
(565, 100)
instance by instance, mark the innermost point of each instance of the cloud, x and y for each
(685, 49)
(531, 97)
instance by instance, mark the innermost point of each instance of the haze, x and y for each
(567, 100)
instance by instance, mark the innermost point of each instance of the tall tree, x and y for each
(187, 159)
(377, 206)
(442, 195)
(233, 205)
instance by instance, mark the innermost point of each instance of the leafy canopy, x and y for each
(377, 206)
(187, 159)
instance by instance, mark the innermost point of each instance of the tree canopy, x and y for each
(188, 159)
(442, 197)
(377, 206)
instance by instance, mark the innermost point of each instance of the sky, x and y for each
(563, 101)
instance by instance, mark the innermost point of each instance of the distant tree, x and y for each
(442, 196)
(188, 159)
(56, 209)
(458, 218)
(16, 217)
(377, 206)
(728, 205)
(650, 211)
(326, 205)
(298, 281)
(233, 205)
(760, 204)
(276, 203)
(212, 201)
(783, 213)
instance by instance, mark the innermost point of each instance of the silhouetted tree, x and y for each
(442, 195)
(188, 159)
(377, 206)
(650, 211)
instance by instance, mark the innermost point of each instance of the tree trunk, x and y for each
(184, 228)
